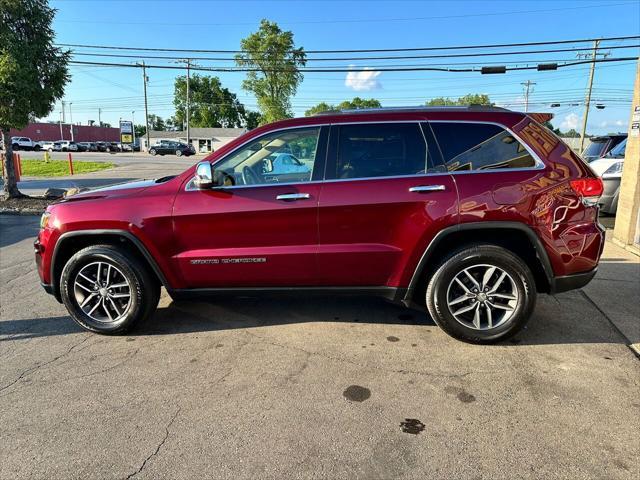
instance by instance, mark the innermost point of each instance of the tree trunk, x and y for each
(9, 186)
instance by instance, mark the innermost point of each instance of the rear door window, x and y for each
(372, 150)
(470, 146)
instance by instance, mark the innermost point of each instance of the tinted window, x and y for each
(480, 146)
(380, 150)
(286, 156)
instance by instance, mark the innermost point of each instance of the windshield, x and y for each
(595, 147)
(618, 150)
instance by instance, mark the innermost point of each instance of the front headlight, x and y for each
(44, 220)
(615, 168)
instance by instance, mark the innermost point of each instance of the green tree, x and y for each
(571, 134)
(140, 130)
(210, 104)
(469, 99)
(156, 123)
(272, 54)
(33, 72)
(252, 119)
(357, 102)
(319, 108)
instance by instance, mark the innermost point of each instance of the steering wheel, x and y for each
(249, 177)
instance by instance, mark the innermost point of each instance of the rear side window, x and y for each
(380, 150)
(480, 146)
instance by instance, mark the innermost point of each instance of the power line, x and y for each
(375, 50)
(404, 57)
(351, 69)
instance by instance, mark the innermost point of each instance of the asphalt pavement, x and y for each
(312, 388)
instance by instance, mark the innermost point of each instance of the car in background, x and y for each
(609, 168)
(65, 146)
(600, 146)
(125, 147)
(47, 145)
(87, 147)
(108, 147)
(285, 163)
(172, 148)
(24, 143)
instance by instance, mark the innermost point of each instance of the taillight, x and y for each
(589, 189)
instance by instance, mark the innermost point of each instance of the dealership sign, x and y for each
(126, 131)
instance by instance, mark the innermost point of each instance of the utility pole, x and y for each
(588, 99)
(188, 68)
(64, 117)
(71, 120)
(61, 134)
(99, 118)
(528, 84)
(146, 108)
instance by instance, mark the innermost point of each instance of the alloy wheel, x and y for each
(482, 297)
(102, 292)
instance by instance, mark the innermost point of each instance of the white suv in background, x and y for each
(609, 168)
(24, 143)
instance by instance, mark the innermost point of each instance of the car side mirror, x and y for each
(203, 179)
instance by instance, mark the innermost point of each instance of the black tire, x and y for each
(439, 285)
(145, 289)
(15, 147)
(36, 148)
(178, 153)
(153, 152)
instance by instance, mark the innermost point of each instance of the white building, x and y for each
(204, 140)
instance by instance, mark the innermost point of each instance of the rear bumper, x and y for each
(572, 282)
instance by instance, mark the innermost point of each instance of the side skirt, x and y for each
(389, 293)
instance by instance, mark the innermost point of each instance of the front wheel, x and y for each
(108, 290)
(178, 153)
(153, 152)
(36, 148)
(481, 294)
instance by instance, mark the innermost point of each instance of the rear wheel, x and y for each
(481, 294)
(107, 290)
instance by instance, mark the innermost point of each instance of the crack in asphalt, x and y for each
(157, 450)
(37, 367)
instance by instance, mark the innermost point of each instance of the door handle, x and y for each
(293, 196)
(428, 188)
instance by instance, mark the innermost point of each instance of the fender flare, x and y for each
(116, 232)
(441, 236)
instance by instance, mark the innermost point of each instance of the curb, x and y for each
(25, 212)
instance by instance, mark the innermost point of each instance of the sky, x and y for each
(355, 25)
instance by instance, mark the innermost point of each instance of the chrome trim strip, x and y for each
(428, 188)
(539, 163)
(293, 196)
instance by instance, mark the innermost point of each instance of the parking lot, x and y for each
(311, 388)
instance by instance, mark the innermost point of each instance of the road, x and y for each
(128, 167)
(308, 388)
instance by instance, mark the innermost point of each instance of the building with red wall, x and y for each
(54, 131)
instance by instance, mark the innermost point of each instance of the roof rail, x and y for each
(473, 107)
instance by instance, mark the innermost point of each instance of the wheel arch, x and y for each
(521, 240)
(71, 242)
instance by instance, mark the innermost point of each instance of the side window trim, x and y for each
(318, 165)
(540, 165)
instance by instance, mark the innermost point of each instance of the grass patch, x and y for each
(59, 168)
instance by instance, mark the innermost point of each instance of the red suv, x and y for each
(467, 212)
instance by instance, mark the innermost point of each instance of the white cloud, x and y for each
(613, 123)
(570, 121)
(364, 80)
